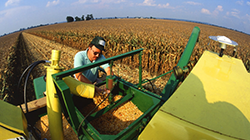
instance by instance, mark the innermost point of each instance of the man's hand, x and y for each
(101, 91)
(106, 91)
(98, 90)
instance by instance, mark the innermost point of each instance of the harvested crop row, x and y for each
(8, 53)
(41, 49)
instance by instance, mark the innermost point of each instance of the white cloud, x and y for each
(11, 2)
(152, 3)
(235, 13)
(149, 3)
(119, 1)
(98, 1)
(82, 1)
(218, 9)
(205, 11)
(53, 3)
(248, 3)
(111, 1)
(193, 3)
(163, 5)
(241, 2)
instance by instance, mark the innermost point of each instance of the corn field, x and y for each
(163, 41)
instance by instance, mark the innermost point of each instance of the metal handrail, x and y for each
(185, 57)
(92, 65)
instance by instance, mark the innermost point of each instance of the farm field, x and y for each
(8, 51)
(163, 42)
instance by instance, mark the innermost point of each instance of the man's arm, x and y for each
(82, 78)
(107, 70)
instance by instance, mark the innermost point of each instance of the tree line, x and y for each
(88, 17)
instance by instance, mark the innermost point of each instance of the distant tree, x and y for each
(77, 18)
(70, 19)
(89, 17)
(21, 29)
(82, 17)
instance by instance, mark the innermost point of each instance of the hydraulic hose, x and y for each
(24, 72)
(31, 67)
(20, 80)
(26, 81)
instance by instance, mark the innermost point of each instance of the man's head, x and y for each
(96, 47)
(99, 43)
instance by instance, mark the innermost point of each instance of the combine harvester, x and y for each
(212, 102)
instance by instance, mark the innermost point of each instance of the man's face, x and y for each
(94, 52)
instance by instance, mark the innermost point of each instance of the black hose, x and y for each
(31, 66)
(24, 72)
(20, 80)
(26, 81)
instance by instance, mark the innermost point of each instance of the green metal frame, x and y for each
(173, 82)
(39, 87)
(98, 63)
(146, 101)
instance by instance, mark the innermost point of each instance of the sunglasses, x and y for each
(96, 53)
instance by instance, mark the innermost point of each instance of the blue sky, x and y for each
(16, 14)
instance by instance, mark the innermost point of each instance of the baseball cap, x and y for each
(99, 42)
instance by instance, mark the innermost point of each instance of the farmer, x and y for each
(92, 54)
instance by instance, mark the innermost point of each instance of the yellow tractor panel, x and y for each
(11, 118)
(212, 102)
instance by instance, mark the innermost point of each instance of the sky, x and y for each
(17, 14)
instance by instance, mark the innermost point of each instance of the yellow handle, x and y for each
(79, 88)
